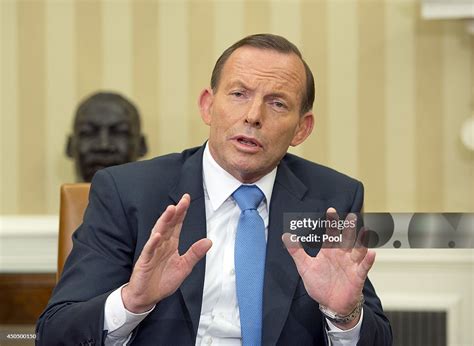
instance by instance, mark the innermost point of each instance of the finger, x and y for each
(295, 250)
(171, 217)
(164, 219)
(360, 250)
(177, 215)
(176, 221)
(366, 265)
(364, 238)
(331, 215)
(349, 233)
(196, 252)
(150, 246)
(182, 207)
(181, 211)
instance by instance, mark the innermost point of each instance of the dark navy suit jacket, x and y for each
(124, 204)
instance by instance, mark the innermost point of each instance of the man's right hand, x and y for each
(160, 269)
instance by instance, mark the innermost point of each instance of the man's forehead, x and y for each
(285, 69)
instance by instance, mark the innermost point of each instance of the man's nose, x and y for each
(255, 113)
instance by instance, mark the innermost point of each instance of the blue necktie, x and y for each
(250, 248)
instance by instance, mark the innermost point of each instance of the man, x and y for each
(213, 268)
(106, 133)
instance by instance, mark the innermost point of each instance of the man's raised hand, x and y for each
(160, 270)
(336, 276)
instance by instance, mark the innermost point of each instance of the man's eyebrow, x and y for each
(279, 94)
(282, 96)
(239, 83)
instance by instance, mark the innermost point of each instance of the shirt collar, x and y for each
(220, 184)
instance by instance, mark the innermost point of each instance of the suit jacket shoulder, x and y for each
(159, 173)
(323, 183)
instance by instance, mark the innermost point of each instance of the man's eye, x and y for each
(238, 94)
(279, 105)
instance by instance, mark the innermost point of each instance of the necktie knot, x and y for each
(248, 197)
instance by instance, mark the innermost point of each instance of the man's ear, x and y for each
(69, 151)
(305, 127)
(206, 98)
(143, 147)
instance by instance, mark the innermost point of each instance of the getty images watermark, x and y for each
(382, 230)
(313, 225)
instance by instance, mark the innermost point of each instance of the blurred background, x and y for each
(393, 89)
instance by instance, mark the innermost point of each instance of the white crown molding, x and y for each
(28, 243)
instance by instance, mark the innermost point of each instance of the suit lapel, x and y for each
(281, 276)
(194, 228)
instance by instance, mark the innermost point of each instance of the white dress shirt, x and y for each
(219, 323)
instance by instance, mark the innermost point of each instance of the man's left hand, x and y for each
(336, 276)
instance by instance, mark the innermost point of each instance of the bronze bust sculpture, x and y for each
(106, 132)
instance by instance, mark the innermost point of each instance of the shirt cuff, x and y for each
(341, 337)
(118, 321)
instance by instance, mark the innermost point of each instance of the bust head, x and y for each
(106, 132)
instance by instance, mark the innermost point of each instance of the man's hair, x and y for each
(271, 42)
(111, 97)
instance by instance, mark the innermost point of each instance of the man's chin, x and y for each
(249, 173)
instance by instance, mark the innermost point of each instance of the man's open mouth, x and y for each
(248, 141)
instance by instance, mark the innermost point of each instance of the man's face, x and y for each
(255, 115)
(105, 134)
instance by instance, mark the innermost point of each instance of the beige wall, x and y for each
(392, 89)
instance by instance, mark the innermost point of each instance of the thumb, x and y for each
(295, 249)
(196, 252)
